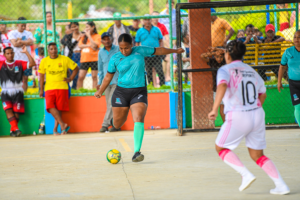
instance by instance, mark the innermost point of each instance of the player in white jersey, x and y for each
(243, 93)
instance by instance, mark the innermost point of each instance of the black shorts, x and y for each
(14, 101)
(125, 97)
(87, 65)
(295, 91)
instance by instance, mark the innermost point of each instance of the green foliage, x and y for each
(164, 87)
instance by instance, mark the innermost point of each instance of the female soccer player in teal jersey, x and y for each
(131, 91)
(291, 59)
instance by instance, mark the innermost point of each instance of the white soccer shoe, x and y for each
(280, 190)
(247, 181)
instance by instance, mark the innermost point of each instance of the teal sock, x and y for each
(297, 113)
(138, 135)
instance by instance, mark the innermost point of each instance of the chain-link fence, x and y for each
(32, 23)
(267, 28)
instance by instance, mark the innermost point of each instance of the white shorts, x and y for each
(243, 124)
(215, 98)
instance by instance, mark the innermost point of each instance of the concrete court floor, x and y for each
(74, 167)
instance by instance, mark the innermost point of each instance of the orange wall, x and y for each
(87, 113)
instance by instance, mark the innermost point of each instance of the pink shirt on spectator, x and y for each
(38, 61)
(2, 58)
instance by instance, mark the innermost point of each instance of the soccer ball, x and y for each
(113, 156)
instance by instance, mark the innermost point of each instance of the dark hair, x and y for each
(171, 2)
(48, 12)
(52, 44)
(7, 48)
(22, 18)
(236, 49)
(91, 23)
(155, 12)
(125, 37)
(75, 23)
(41, 51)
(249, 26)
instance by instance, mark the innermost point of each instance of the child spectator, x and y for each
(240, 34)
(215, 59)
(38, 61)
(258, 33)
(271, 37)
(250, 38)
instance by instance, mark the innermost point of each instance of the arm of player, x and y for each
(107, 79)
(74, 73)
(31, 61)
(42, 80)
(282, 69)
(262, 98)
(221, 89)
(164, 51)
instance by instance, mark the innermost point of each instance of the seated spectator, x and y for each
(258, 33)
(271, 37)
(250, 37)
(240, 34)
(134, 28)
(215, 59)
(117, 29)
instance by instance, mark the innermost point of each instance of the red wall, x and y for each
(87, 113)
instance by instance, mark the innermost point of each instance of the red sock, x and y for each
(14, 123)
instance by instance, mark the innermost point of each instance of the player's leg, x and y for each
(55, 127)
(14, 130)
(232, 132)
(57, 116)
(297, 113)
(119, 116)
(81, 75)
(269, 167)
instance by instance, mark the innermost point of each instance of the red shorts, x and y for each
(284, 26)
(58, 99)
(14, 101)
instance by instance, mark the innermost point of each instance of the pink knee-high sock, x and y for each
(233, 161)
(269, 167)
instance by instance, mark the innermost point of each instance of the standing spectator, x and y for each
(218, 30)
(89, 44)
(151, 36)
(186, 60)
(134, 28)
(117, 29)
(215, 59)
(166, 40)
(70, 42)
(12, 95)
(55, 68)
(19, 38)
(105, 54)
(250, 37)
(39, 33)
(4, 40)
(41, 55)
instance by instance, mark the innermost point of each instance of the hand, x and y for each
(213, 115)
(24, 49)
(41, 93)
(88, 33)
(97, 94)
(248, 38)
(210, 49)
(68, 80)
(268, 40)
(279, 86)
(225, 43)
(80, 36)
(180, 50)
(98, 87)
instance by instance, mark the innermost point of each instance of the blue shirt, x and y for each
(103, 60)
(149, 38)
(291, 58)
(131, 68)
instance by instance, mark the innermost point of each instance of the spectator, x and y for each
(283, 17)
(250, 37)
(218, 30)
(4, 40)
(166, 40)
(117, 29)
(151, 36)
(89, 44)
(293, 17)
(105, 54)
(70, 42)
(215, 59)
(39, 33)
(240, 34)
(258, 33)
(134, 28)
(271, 37)
(19, 38)
(12, 95)
(41, 55)
(186, 55)
(55, 68)
(68, 29)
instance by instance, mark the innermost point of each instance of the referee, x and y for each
(131, 90)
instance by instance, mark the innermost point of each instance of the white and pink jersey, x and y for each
(244, 85)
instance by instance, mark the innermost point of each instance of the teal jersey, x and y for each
(131, 68)
(291, 58)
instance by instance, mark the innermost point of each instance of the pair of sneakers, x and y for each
(16, 133)
(113, 129)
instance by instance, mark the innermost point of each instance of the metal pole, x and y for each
(297, 16)
(275, 19)
(171, 44)
(53, 20)
(179, 69)
(268, 15)
(45, 28)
